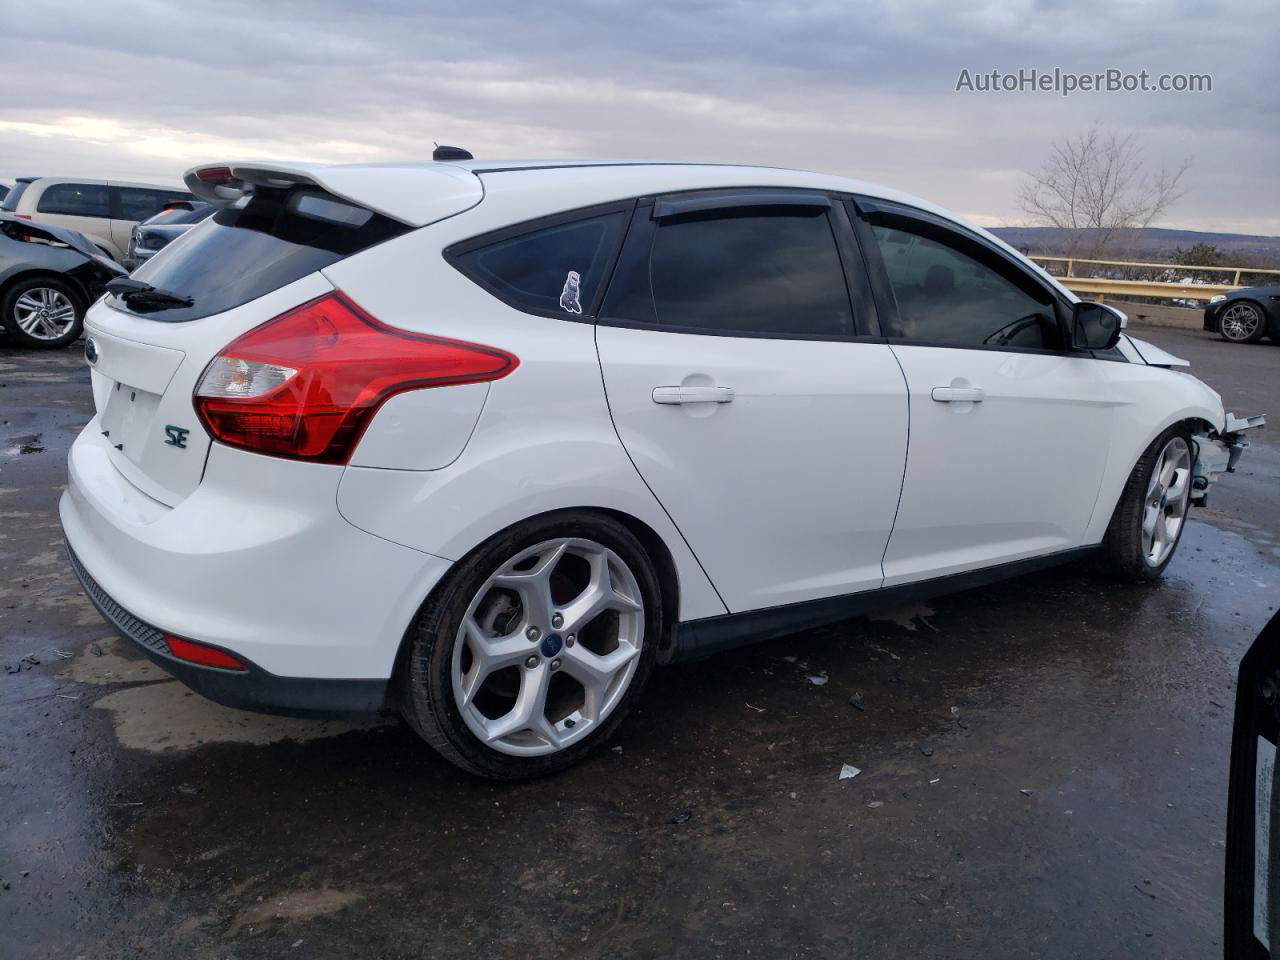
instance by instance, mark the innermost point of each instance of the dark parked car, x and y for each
(1245, 315)
(150, 236)
(48, 277)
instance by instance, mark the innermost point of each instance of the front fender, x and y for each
(1149, 400)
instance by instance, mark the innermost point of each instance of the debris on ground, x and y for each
(876, 804)
(755, 708)
(187, 788)
(857, 702)
(848, 771)
(924, 749)
(617, 749)
(28, 444)
(684, 816)
(24, 663)
(818, 679)
(1025, 792)
(95, 649)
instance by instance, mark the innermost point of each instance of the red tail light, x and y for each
(306, 384)
(198, 653)
(215, 175)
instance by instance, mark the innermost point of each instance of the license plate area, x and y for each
(129, 416)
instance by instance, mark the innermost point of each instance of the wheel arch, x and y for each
(654, 546)
(32, 273)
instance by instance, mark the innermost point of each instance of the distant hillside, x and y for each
(1153, 243)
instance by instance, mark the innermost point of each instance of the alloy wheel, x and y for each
(44, 313)
(548, 647)
(1240, 321)
(1168, 494)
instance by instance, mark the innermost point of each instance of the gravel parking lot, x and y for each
(1043, 770)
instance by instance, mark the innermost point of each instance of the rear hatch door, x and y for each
(248, 263)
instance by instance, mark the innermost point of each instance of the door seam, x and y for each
(604, 388)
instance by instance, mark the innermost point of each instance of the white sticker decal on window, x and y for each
(569, 295)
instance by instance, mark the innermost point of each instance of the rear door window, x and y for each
(765, 271)
(76, 200)
(138, 203)
(558, 269)
(259, 245)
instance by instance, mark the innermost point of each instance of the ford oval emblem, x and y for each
(91, 350)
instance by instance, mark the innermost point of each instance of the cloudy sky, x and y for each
(142, 90)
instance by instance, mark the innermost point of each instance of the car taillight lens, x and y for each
(306, 384)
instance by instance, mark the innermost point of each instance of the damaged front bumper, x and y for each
(1218, 452)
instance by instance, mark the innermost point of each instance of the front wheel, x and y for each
(42, 312)
(1149, 519)
(1242, 322)
(535, 647)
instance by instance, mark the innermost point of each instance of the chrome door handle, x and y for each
(958, 394)
(693, 394)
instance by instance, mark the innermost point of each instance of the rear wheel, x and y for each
(535, 647)
(42, 312)
(1242, 322)
(1149, 519)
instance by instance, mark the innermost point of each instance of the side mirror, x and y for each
(1253, 807)
(1096, 326)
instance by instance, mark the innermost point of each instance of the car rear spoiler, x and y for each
(414, 194)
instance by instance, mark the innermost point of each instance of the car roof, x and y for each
(47, 181)
(421, 193)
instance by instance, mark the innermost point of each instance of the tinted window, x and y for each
(246, 251)
(11, 198)
(756, 270)
(945, 295)
(137, 203)
(75, 200)
(558, 268)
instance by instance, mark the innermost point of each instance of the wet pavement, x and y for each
(1043, 771)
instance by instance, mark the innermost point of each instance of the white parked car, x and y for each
(490, 441)
(104, 211)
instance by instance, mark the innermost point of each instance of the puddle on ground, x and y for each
(301, 905)
(160, 717)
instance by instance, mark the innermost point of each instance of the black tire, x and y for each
(1122, 555)
(9, 307)
(425, 690)
(1259, 322)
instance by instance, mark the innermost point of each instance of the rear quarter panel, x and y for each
(543, 440)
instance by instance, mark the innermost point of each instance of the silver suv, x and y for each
(105, 211)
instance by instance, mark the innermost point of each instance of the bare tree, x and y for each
(1097, 185)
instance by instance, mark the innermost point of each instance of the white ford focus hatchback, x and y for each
(488, 442)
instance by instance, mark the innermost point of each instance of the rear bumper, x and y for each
(256, 561)
(253, 689)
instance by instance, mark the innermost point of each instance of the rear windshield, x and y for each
(259, 245)
(11, 198)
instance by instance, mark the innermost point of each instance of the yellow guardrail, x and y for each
(1100, 287)
(1174, 267)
